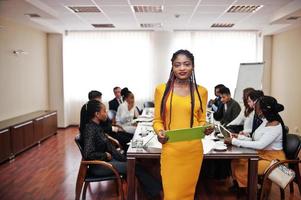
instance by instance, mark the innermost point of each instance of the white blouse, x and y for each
(264, 138)
(125, 117)
(246, 121)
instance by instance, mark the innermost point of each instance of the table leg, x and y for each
(252, 178)
(131, 163)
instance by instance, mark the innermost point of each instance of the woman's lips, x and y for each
(183, 73)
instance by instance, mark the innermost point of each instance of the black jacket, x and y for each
(96, 144)
(233, 110)
(113, 104)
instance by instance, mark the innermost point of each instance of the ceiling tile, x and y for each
(178, 9)
(111, 2)
(212, 9)
(181, 2)
(217, 2)
(116, 9)
(146, 2)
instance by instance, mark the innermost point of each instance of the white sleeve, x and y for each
(266, 139)
(248, 124)
(119, 115)
(239, 120)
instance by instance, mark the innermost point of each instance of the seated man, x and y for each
(216, 104)
(231, 108)
(114, 103)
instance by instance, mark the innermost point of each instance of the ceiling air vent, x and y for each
(151, 25)
(103, 25)
(293, 18)
(148, 9)
(244, 8)
(84, 9)
(222, 25)
(32, 15)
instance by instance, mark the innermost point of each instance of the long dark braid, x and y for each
(270, 109)
(170, 87)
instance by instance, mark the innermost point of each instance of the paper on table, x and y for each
(208, 144)
(187, 134)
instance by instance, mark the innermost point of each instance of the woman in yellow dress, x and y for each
(180, 103)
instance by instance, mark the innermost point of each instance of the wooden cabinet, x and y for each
(50, 125)
(20, 133)
(38, 127)
(5, 148)
(22, 136)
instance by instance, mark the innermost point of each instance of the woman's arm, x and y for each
(90, 152)
(204, 97)
(266, 139)
(158, 122)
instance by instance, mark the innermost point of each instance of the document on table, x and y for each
(187, 134)
(208, 144)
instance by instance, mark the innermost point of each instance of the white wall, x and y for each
(23, 78)
(286, 75)
(55, 75)
(267, 55)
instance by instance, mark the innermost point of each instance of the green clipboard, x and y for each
(187, 134)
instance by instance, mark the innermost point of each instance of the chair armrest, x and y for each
(114, 141)
(102, 163)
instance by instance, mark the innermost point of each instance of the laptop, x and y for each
(145, 145)
(226, 133)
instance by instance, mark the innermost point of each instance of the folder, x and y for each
(187, 134)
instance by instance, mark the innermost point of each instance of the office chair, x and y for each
(86, 175)
(149, 104)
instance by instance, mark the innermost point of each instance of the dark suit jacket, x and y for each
(233, 110)
(113, 104)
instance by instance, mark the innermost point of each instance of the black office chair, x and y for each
(86, 174)
(293, 147)
(149, 104)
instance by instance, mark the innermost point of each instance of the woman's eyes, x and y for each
(185, 64)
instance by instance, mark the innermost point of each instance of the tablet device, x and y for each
(226, 133)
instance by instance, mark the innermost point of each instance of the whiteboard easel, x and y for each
(249, 75)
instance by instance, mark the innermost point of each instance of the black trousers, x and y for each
(151, 186)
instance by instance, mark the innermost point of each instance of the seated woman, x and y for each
(127, 112)
(96, 146)
(269, 140)
(245, 118)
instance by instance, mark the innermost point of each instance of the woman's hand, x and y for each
(234, 135)
(109, 156)
(228, 141)
(162, 137)
(209, 130)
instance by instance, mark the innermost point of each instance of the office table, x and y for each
(231, 153)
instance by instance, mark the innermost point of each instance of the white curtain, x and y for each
(102, 60)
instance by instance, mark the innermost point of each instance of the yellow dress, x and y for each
(180, 161)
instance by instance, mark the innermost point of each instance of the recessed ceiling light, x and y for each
(103, 25)
(151, 25)
(147, 9)
(84, 9)
(222, 25)
(244, 8)
(32, 15)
